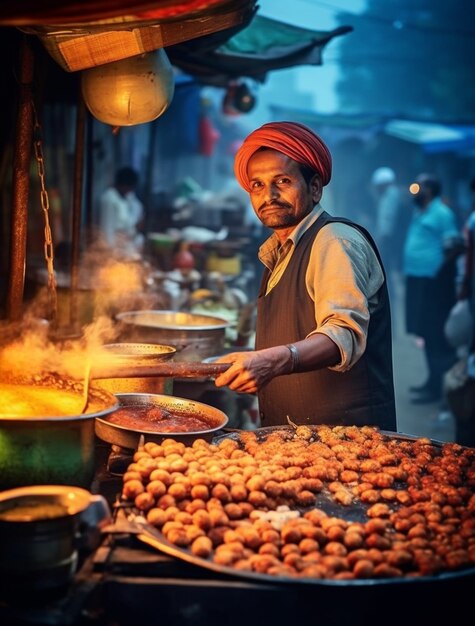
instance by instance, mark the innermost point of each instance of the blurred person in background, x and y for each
(387, 232)
(323, 330)
(122, 214)
(467, 290)
(432, 246)
(460, 380)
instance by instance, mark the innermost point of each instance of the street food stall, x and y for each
(121, 503)
(270, 525)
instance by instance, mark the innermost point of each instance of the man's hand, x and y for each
(252, 370)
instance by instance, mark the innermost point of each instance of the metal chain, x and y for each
(48, 243)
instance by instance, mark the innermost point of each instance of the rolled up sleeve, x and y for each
(343, 279)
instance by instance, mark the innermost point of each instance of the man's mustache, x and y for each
(273, 205)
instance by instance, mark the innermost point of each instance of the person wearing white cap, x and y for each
(388, 201)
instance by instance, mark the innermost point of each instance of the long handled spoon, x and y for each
(87, 380)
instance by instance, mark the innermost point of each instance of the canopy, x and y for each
(264, 45)
(434, 137)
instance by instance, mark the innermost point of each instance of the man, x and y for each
(323, 333)
(121, 213)
(388, 223)
(430, 251)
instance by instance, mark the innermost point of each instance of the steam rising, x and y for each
(35, 353)
(117, 286)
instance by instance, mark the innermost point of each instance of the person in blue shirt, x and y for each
(431, 247)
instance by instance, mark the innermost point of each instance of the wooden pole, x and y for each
(21, 185)
(77, 210)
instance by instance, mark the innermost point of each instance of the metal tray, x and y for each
(356, 512)
(152, 537)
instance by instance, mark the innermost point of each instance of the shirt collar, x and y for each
(269, 250)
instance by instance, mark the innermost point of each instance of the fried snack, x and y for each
(257, 504)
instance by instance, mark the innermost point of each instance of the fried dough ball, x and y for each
(269, 548)
(364, 568)
(256, 483)
(353, 540)
(335, 533)
(377, 525)
(343, 496)
(178, 537)
(225, 557)
(156, 488)
(399, 558)
(238, 492)
(334, 564)
(218, 517)
(335, 548)
(234, 546)
(178, 491)
(313, 571)
(326, 522)
(200, 492)
(131, 489)
(370, 496)
(216, 534)
(384, 570)
(162, 475)
(233, 511)
(261, 563)
(375, 540)
(378, 510)
(348, 476)
(202, 519)
(250, 537)
(131, 475)
(202, 547)
(221, 492)
(305, 497)
(156, 517)
(308, 545)
(257, 498)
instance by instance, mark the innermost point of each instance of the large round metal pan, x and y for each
(355, 512)
(129, 438)
(154, 538)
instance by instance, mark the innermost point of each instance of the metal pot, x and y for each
(193, 335)
(49, 449)
(42, 528)
(130, 438)
(130, 355)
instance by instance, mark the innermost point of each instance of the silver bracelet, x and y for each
(294, 356)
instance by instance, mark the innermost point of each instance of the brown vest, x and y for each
(363, 395)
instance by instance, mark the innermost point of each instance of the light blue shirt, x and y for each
(429, 232)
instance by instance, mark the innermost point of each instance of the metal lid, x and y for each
(172, 320)
(152, 351)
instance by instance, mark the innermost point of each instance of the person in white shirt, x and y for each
(388, 221)
(121, 213)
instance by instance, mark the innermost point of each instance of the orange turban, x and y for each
(294, 140)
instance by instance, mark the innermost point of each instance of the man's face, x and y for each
(279, 194)
(423, 195)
